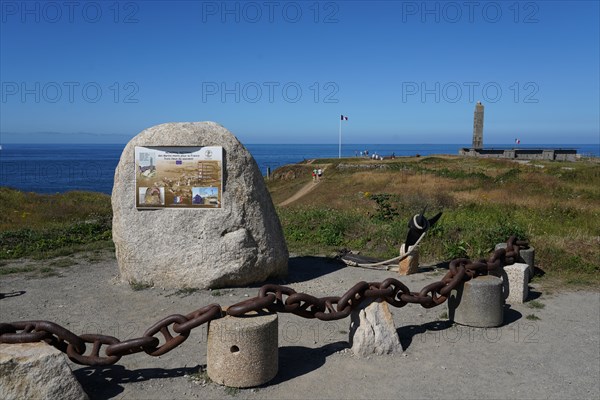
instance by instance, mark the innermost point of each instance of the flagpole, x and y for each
(340, 139)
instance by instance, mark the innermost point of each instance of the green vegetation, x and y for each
(200, 376)
(35, 270)
(48, 226)
(555, 205)
(63, 262)
(6, 270)
(186, 291)
(535, 304)
(365, 205)
(137, 286)
(533, 317)
(232, 391)
(465, 231)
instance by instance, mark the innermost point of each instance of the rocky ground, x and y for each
(555, 356)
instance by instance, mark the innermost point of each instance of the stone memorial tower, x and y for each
(478, 126)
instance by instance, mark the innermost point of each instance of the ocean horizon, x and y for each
(58, 168)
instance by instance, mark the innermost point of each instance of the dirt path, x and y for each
(304, 190)
(554, 357)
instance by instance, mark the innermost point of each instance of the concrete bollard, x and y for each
(477, 302)
(243, 351)
(527, 256)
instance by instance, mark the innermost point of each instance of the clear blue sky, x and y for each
(404, 72)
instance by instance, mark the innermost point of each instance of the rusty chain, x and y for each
(271, 297)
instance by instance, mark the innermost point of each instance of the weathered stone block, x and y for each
(526, 255)
(36, 371)
(372, 329)
(240, 243)
(410, 264)
(515, 279)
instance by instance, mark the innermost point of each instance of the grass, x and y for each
(4, 270)
(533, 317)
(137, 286)
(47, 226)
(184, 292)
(536, 304)
(47, 271)
(484, 201)
(63, 263)
(94, 257)
(232, 391)
(42, 271)
(201, 376)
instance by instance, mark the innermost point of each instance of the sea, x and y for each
(58, 168)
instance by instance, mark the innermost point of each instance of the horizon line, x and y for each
(343, 144)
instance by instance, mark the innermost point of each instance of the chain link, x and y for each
(272, 298)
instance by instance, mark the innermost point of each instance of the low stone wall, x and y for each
(522, 154)
(344, 166)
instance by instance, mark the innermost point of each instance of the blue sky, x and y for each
(283, 72)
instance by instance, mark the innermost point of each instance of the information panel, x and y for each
(179, 177)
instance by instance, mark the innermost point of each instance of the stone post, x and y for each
(410, 264)
(372, 329)
(527, 256)
(477, 302)
(514, 279)
(243, 351)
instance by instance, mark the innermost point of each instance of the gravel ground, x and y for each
(555, 357)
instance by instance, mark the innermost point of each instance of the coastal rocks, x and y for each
(239, 243)
(36, 371)
(372, 330)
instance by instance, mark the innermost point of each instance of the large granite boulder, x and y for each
(240, 243)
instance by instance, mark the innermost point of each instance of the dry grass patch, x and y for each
(484, 202)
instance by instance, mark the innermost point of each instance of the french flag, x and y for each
(344, 118)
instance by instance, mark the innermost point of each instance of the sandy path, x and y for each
(555, 357)
(304, 190)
